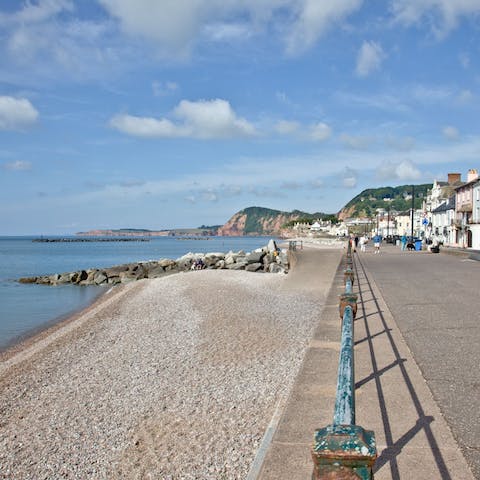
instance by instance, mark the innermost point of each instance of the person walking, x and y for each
(363, 243)
(377, 240)
(404, 242)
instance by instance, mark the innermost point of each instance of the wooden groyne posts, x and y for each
(343, 450)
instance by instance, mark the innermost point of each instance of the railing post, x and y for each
(343, 450)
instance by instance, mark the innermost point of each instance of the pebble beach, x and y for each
(168, 378)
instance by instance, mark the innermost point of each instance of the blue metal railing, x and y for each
(344, 448)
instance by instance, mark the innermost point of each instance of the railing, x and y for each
(344, 450)
(292, 244)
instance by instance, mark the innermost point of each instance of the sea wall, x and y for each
(267, 259)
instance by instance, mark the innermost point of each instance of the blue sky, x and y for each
(161, 114)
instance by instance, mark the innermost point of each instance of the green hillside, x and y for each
(256, 217)
(366, 203)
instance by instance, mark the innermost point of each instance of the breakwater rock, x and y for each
(267, 259)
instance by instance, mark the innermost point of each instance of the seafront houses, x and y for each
(404, 223)
(464, 211)
(386, 224)
(439, 209)
(442, 222)
(475, 222)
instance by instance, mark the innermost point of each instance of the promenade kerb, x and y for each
(343, 450)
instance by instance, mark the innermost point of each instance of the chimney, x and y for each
(454, 178)
(472, 175)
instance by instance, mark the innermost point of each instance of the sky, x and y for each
(178, 113)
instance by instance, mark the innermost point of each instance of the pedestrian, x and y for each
(377, 239)
(356, 239)
(363, 243)
(352, 243)
(404, 242)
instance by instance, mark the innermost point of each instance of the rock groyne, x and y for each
(267, 259)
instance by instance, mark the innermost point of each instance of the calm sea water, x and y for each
(25, 309)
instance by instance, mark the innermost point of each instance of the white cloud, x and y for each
(213, 119)
(221, 32)
(172, 24)
(356, 142)
(369, 58)
(176, 25)
(18, 165)
(286, 127)
(402, 144)
(209, 195)
(161, 89)
(387, 102)
(349, 178)
(37, 12)
(314, 19)
(16, 113)
(441, 15)
(431, 94)
(204, 119)
(450, 133)
(146, 126)
(320, 132)
(403, 170)
(43, 40)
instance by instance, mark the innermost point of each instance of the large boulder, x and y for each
(275, 268)
(230, 258)
(254, 267)
(236, 266)
(127, 277)
(65, 278)
(28, 279)
(100, 278)
(272, 246)
(255, 257)
(168, 264)
(80, 276)
(156, 272)
(211, 259)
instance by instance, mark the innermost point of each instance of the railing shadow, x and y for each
(423, 423)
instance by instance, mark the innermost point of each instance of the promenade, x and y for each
(416, 362)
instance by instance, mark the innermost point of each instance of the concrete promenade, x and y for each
(416, 368)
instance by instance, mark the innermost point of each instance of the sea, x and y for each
(26, 309)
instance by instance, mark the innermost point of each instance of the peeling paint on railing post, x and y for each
(343, 450)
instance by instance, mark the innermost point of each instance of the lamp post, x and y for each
(413, 208)
(388, 222)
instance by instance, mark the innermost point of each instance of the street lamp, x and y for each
(413, 208)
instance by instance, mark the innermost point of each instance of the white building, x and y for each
(475, 220)
(464, 210)
(443, 220)
(403, 223)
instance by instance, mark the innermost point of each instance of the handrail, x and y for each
(292, 244)
(344, 450)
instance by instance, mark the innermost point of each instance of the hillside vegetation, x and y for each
(366, 203)
(265, 221)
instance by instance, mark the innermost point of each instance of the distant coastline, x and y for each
(132, 232)
(89, 239)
